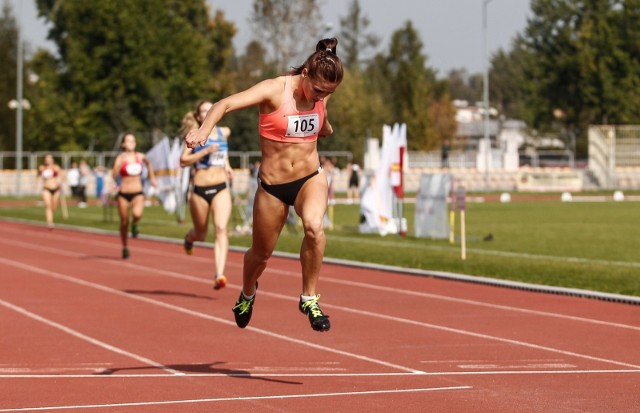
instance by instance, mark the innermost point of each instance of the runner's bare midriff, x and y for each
(210, 176)
(284, 162)
(130, 184)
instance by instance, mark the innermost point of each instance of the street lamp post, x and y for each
(485, 93)
(20, 100)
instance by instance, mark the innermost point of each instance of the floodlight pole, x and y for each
(485, 93)
(19, 98)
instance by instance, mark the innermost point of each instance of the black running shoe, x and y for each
(319, 321)
(188, 247)
(243, 309)
(134, 230)
(125, 253)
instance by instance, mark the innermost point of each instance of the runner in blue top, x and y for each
(211, 193)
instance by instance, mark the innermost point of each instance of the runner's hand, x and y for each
(195, 138)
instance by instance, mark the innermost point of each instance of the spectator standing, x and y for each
(84, 173)
(353, 190)
(446, 148)
(73, 179)
(99, 172)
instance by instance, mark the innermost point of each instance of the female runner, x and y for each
(211, 194)
(127, 168)
(292, 116)
(51, 175)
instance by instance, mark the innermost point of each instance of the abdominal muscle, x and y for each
(130, 184)
(284, 162)
(212, 175)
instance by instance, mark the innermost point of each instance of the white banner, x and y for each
(376, 203)
(166, 166)
(431, 213)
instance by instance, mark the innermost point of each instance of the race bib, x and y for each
(47, 173)
(302, 126)
(133, 169)
(217, 159)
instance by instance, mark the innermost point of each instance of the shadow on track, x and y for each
(199, 368)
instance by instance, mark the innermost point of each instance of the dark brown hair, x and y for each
(324, 63)
(124, 135)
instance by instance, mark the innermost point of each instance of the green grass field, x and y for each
(586, 245)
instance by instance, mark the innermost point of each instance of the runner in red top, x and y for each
(292, 115)
(127, 168)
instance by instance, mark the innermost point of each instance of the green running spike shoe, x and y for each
(243, 309)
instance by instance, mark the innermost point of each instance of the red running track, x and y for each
(84, 331)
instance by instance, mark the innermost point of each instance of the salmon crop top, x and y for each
(133, 168)
(286, 124)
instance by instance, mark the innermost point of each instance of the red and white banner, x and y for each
(377, 202)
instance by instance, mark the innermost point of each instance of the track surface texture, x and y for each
(85, 331)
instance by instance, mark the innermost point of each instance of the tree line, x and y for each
(140, 65)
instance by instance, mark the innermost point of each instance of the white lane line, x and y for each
(464, 332)
(117, 264)
(234, 399)
(313, 375)
(326, 305)
(99, 367)
(385, 317)
(103, 288)
(480, 303)
(324, 279)
(85, 337)
(482, 336)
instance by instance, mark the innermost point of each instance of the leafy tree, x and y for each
(378, 77)
(219, 35)
(288, 29)
(463, 86)
(56, 116)
(8, 55)
(509, 89)
(353, 37)
(582, 57)
(356, 112)
(248, 70)
(119, 72)
(411, 89)
(442, 114)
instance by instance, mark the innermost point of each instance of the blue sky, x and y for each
(451, 30)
